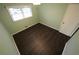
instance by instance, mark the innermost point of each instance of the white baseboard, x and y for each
(22, 29)
(50, 26)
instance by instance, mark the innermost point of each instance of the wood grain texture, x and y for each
(40, 40)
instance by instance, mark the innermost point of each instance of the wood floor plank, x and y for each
(40, 40)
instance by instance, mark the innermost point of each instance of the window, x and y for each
(20, 13)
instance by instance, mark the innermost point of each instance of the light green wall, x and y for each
(49, 14)
(72, 46)
(7, 45)
(14, 27)
(52, 14)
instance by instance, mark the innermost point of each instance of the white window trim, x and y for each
(18, 6)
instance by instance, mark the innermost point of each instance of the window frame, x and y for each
(22, 12)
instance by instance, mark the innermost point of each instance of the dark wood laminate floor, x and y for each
(40, 40)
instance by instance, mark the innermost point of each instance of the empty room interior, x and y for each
(39, 29)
